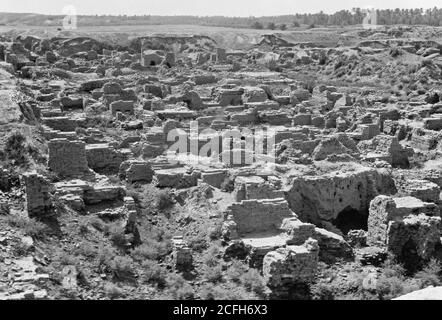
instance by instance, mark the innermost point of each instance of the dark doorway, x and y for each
(351, 219)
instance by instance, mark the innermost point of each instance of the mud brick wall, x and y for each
(369, 131)
(175, 178)
(136, 170)
(423, 189)
(319, 198)
(60, 123)
(38, 199)
(252, 216)
(414, 239)
(122, 106)
(67, 158)
(102, 157)
(106, 193)
(384, 209)
(424, 139)
(286, 267)
(214, 177)
(247, 188)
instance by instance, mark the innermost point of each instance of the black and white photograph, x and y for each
(249, 151)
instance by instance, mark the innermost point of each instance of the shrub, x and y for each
(83, 228)
(165, 199)
(216, 231)
(253, 281)
(213, 274)
(430, 274)
(20, 248)
(113, 291)
(271, 26)
(153, 273)
(87, 250)
(66, 259)
(272, 64)
(322, 291)
(390, 268)
(30, 227)
(211, 292)
(198, 242)
(152, 249)
(117, 236)
(178, 288)
(105, 255)
(389, 287)
(121, 268)
(257, 25)
(15, 147)
(211, 257)
(236, 271)
(97, 223)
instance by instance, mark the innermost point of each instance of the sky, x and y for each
(240, 8)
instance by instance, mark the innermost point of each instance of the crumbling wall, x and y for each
(67, 158)
(252, 216)
(255, 187)
(322, 198)
(104, 157)
(384, 209)
(389, 146)
(136, 170)
(38, 199)
(287, 267)
(414, 239)
(176, 178)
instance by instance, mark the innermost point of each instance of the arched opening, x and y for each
(152, 63)
(351, 219)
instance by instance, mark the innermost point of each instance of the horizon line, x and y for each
(210, 16)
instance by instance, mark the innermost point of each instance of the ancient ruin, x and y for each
(300, 163)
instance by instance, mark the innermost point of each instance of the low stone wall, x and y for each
(60, 123)
(176, 178)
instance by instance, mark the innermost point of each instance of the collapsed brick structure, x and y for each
(253, 216)
(323, 198)
(105, 157)
(287, 267)
(38, 198)
(67, 158)
(408, 227)
(136, 170)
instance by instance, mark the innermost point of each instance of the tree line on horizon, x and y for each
(355, 16)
